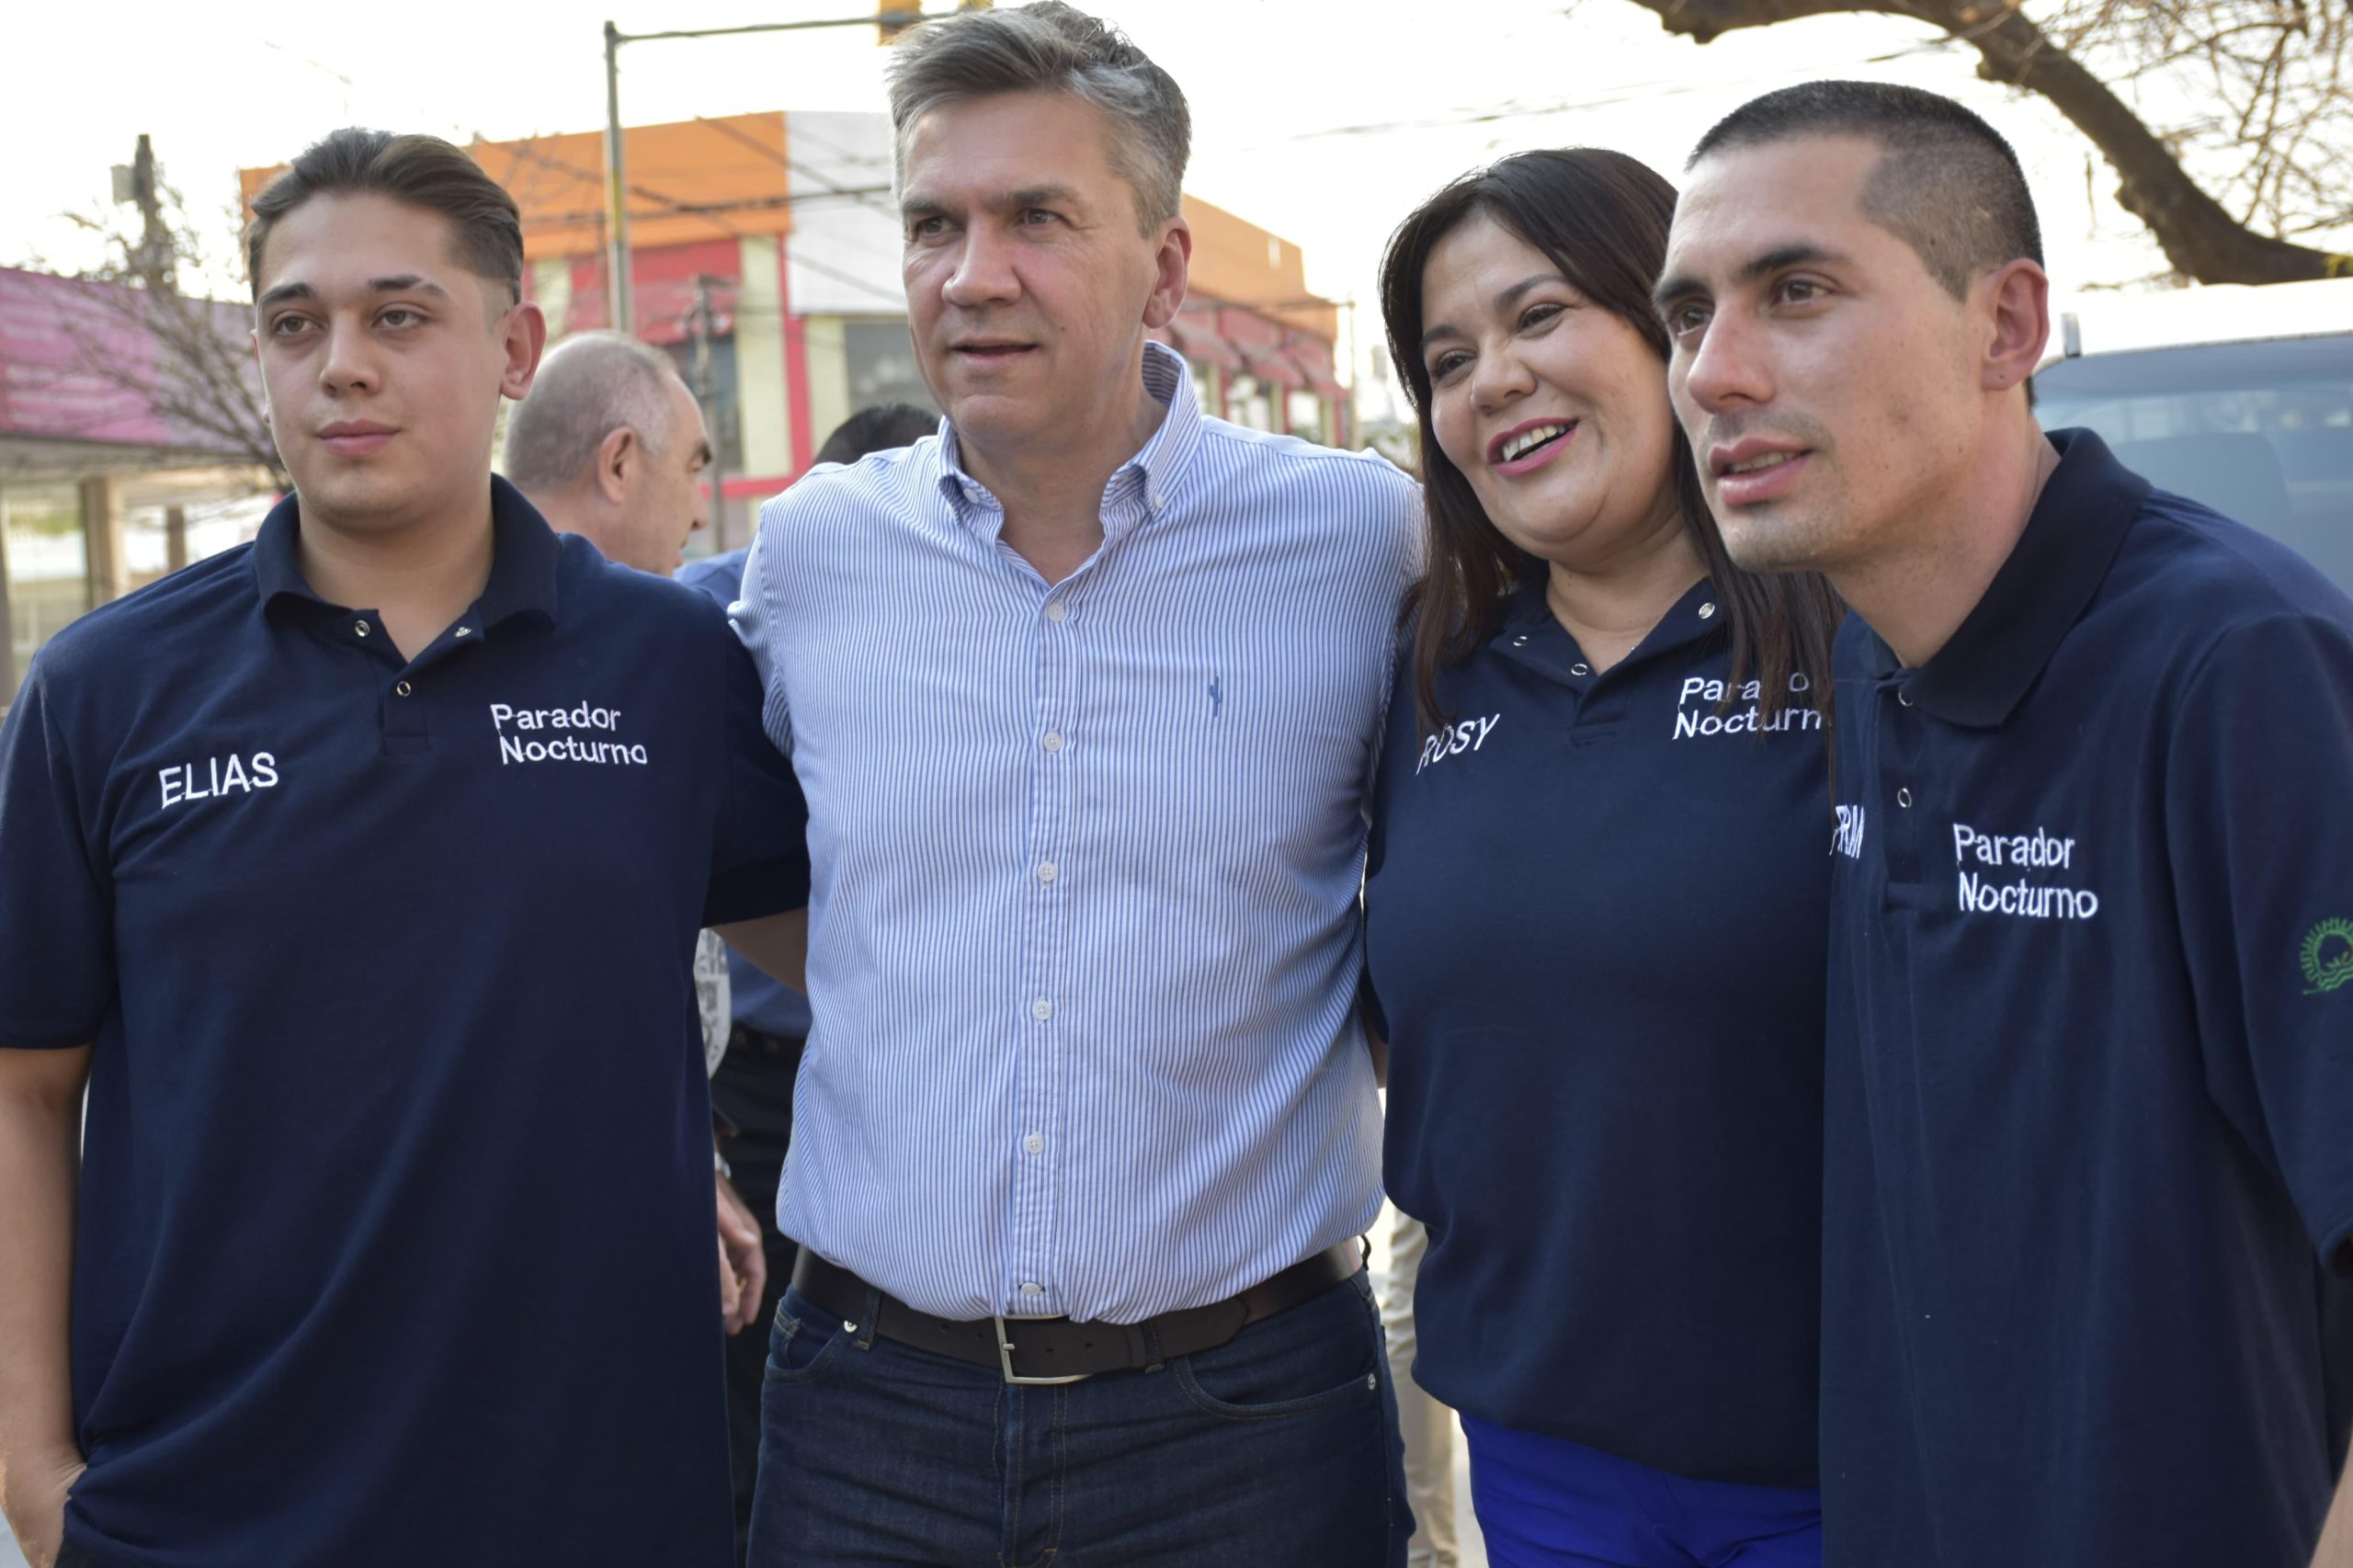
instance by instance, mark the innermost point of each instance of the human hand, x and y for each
(33, 1489)
(743, 1260)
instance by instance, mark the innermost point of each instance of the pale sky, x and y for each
(1324, 122)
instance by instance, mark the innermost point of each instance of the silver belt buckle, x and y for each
(1004, 1358)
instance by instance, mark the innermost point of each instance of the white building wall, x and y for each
(843, 257)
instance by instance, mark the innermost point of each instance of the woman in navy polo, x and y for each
(1597, 906)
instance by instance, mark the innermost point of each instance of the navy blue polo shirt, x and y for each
(395, 1237)
(2089, 1167)
(1595, 915)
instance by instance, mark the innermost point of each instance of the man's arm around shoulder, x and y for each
(41, 1143)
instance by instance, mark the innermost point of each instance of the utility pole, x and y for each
(135, 184)
(707, 393)
(620, 299)
(889, 20)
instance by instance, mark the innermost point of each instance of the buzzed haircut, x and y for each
(423, 171)
(1050, 47)
(590, 385)
(1946, 183)
(884, 427)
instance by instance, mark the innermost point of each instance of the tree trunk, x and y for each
(2201, 240)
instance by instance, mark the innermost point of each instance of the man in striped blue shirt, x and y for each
(1085, 693)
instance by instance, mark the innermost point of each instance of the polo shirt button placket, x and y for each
(1899, 750)
(404, 727)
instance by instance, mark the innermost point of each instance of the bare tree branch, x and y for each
(2277, 133)
(181, 357)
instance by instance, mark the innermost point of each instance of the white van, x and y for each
(2239, 397)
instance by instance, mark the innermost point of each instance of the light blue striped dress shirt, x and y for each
(1084, 937)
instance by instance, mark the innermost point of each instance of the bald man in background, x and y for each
(611, 445)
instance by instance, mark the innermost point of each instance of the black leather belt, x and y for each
(1057, 1350)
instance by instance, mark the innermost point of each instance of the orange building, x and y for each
(785, 222)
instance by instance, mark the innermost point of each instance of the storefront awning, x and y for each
(1277, 368)
(1194, 335)
(1314, 362)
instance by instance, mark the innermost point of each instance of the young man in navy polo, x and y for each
(358, 874)
(2090, 1082)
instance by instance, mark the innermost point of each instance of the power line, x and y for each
(837, 275)
(1624, 93)
(528, 149)
(767, 152)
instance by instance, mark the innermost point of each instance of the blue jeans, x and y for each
(1277, 1451)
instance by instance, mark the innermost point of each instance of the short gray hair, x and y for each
(590, 385)
(1051, 48)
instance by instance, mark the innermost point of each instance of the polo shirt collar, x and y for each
(523, 561)
(1152, 476)
(1981, 673)
(1529, 622)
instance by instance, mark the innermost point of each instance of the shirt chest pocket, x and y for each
(1249, 746)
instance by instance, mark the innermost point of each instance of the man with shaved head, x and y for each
(2088, 1187)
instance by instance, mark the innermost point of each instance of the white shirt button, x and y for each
(463, 632)
(1042, 1009)
(1031, 1288)
(1057, 610)
(1053, 741)
(1046, 873)
(1034, 1144)
(1707, 611)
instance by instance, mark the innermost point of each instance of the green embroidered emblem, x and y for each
(2329, 956)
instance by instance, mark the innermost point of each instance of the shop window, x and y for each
(881, 364)
(1310, 417)
(45, 564)
(1250, 402)
(206, 528)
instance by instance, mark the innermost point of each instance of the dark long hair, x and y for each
(1601, 218)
